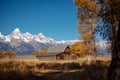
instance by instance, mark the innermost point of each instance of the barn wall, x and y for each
(73, 56)
(63, 56)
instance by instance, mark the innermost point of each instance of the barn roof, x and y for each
(55, 50)
(58, 49)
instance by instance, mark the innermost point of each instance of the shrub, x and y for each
(1, 55)
(9, 54)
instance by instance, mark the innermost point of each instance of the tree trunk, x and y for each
(114, 68)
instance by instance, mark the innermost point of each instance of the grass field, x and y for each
(30, 68)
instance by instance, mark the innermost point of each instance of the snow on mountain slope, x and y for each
(43, 39)
(21, 42)
(1, 37)
(27, 37)
(27, 43)
(66, 42)
(16, 34)
(102, 47)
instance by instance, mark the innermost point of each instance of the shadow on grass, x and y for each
(66, 71)
(89, 72)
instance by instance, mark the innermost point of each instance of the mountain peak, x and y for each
(17, 30)
(27, 33)
(27, 37)
(1, 35)
(41, 35)
(16, 34)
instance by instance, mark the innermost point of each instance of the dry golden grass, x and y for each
(34, 69)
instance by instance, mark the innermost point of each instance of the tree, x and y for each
(45, 50)
(10, 54)
(108, 47)
(87, 18)
(1, 55)
(110, 14)
(110, 30)
(79, 48)
(38, 52)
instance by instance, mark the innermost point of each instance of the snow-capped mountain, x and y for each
(2, 37)
(26, 37)
(27, 43)
(43, 39)
(102, 47)
(66, 42)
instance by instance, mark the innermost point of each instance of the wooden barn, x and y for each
(58, 53)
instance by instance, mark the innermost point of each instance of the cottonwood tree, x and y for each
(9, 54)
(38, 52)
(87, 18)
(1, 55)
(110, 30)
(110, 14)
(79, 48)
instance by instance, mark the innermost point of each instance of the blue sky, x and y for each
(54, 18)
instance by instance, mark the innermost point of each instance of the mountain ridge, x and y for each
(27, 37)
(26, 43)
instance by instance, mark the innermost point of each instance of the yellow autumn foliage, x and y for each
(38, 52)
(9, 54)
(79, 48)
(87, 18)
(87, 3)
(87, 36)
